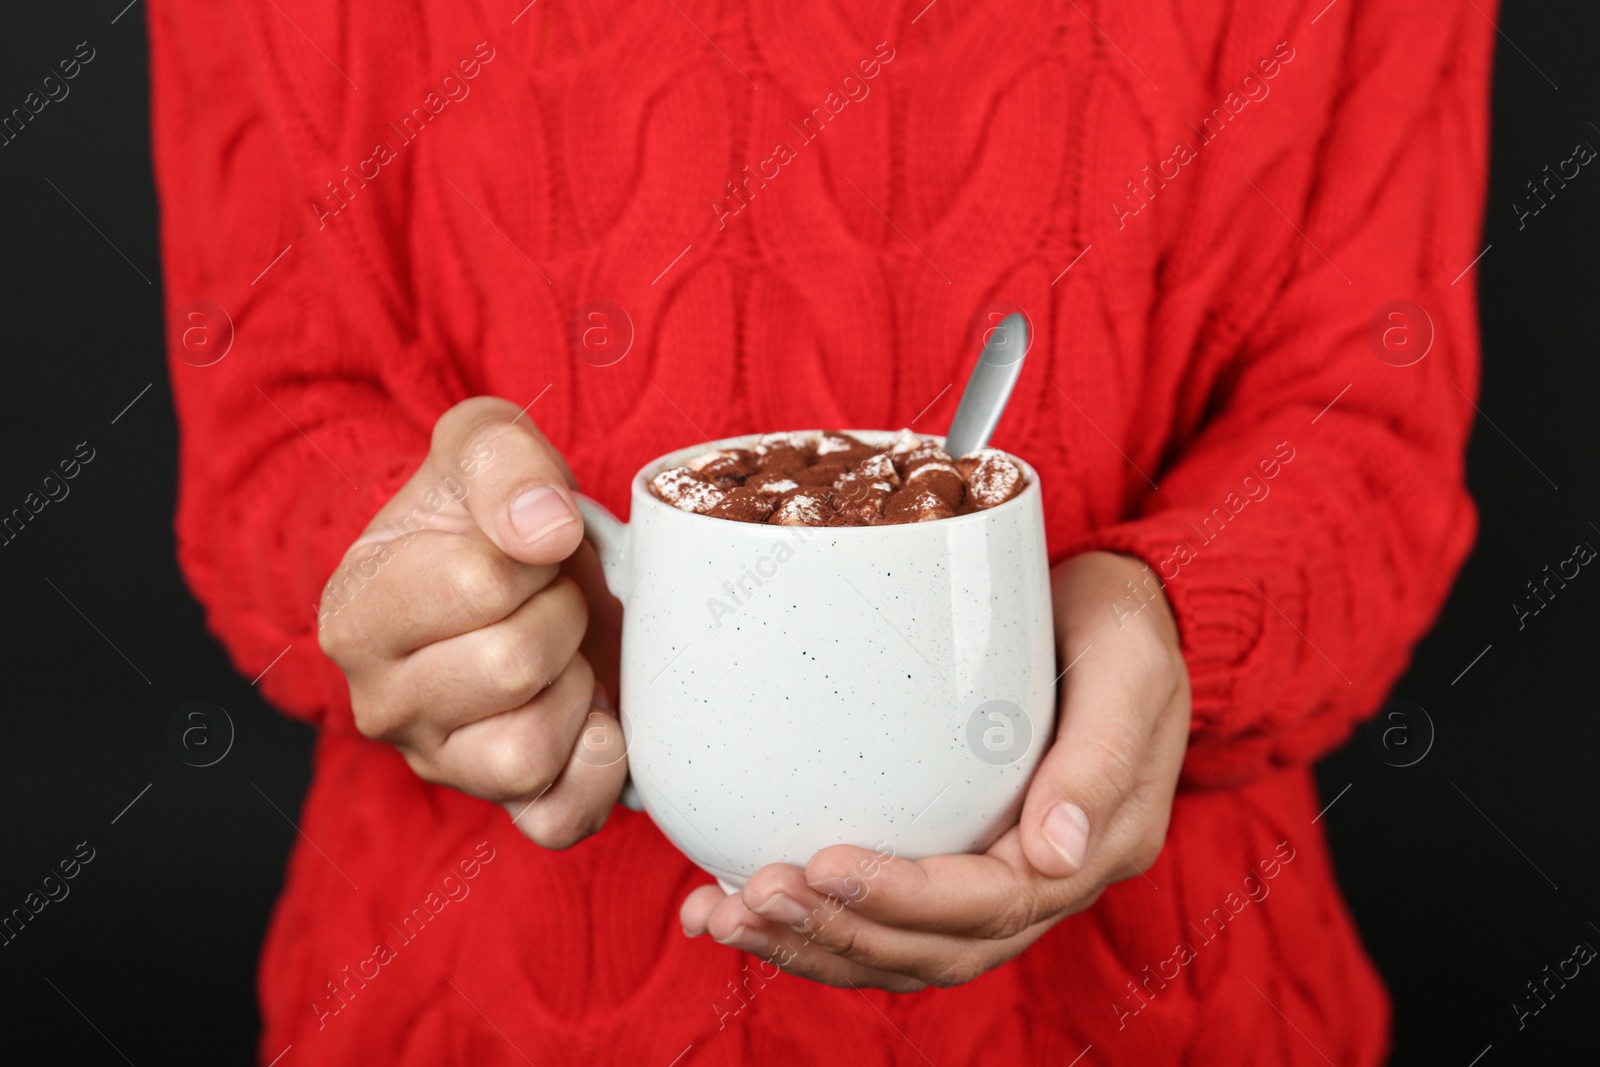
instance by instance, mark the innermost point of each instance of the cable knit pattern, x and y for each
(1211, 320)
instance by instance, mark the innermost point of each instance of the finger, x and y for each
(730, 923)
(389, 598)
(697, 907)
(1101, 754)
(992, 896)
(491, 669)
(579, 801)
(781, 894)
(519, 495)
(602, 639)
(516, 753)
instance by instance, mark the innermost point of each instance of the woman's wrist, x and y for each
(1097, 595)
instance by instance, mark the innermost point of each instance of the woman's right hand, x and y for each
(458, 630)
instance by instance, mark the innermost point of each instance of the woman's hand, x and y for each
(1095, 813)
(457, 618)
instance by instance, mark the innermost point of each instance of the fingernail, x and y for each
(538, 512)
(689, 933)
(745, 940)
(1067, 828)
(782, 909)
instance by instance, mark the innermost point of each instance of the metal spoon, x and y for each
(989, 387)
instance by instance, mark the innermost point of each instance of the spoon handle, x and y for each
(989, 387)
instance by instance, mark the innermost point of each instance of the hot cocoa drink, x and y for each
(833, 479)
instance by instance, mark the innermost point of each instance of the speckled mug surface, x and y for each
(789, 688)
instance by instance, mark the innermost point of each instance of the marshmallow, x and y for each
(767, 482)
(860, 501)
(940, 479)
(802, 507)
(916, 505)
(992, 478)
(905, 441)
(744, 505)
(880, 468)
(724, 469)
(684, 490)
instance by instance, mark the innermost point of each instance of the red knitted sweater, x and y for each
(1200, 204)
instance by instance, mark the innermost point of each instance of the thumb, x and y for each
(518, 492)
(1087, 774)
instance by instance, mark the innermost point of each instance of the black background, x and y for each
(1468, 871)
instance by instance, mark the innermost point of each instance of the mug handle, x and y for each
(609, 535)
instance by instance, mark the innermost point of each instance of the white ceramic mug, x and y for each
(789, 688)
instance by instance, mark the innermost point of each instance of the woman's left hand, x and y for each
(1095, 813)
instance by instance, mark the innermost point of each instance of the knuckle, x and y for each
(333, 638)
(477, 409)
(422, 767)
(560, 826)
(1119, 750)
(573, 605)
(342, 619)
(513, 672)
(483, 438)
(497, 660)
(516, 772)
(372, 717)
(335, 631)
(482, 582)
(1143, 857)
(1147, 850)
(366, 723)
(958, 970)
(840, 938)
(1085, 902)
(1170, 671)
(1010, 919)
(572, 691)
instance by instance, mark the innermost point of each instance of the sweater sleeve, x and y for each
(295, 435)
(1309, 530)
